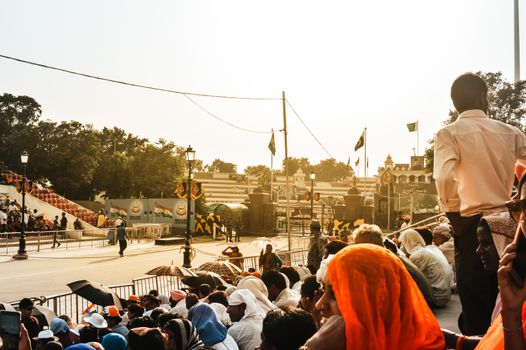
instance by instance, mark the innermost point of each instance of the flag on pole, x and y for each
(357, 161)
(361, 141)
(412, 127)
(272, 144)
(348, 161)
(367, 162)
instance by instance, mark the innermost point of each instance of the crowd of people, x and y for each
(368, 292)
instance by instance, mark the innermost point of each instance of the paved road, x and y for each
(48, 272)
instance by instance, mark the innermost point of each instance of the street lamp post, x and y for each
(312, 176)
(190, 156)
(22, 254)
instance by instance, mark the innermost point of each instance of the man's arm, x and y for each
(445, 161)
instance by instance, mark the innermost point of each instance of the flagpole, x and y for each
(365, 159)
(417, 138)
(286, 166)
(272, 172)
(516, 41)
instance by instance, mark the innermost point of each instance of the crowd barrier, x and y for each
(73, 305)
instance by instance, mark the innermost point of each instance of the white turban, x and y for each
(443, 229)
(411, 240)
(245, 296)
(260, 291)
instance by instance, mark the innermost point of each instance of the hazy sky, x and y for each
(344, 65)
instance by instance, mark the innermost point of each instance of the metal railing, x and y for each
(74, 306)
(430, 222)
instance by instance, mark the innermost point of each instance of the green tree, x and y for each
(507, 104)
(219, 166)
(331, 170)
(297, 163)
(258, 170)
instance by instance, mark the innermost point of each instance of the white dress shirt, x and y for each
(474, 163)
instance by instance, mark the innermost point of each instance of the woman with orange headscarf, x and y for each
(381, 305)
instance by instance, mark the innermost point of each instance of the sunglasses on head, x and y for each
(516, 207)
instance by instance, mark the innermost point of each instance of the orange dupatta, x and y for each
(380, 303)
(494, 337)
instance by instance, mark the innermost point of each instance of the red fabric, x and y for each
(380, 303)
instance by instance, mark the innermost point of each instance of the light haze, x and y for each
(344, 65)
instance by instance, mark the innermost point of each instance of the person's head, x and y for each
(114, 341)
(368, 234)
(308, 293)
(469, 91)
(176, 295)
(135, 310)
(251, 270)
(157, 312)
(191, 300)
(154, 292)
(143, 321)
(242, 303)
(53, 345)
(205, 319)
(112, 316)
(315, 227)
(204, 290)
(275, 282)
(26, 307)
(407, 218)
(181, 335)
(411, 240)
(88, 333)
(59, 327)
(426, 234)
(145, 338)
(235, 249)
(164, 318)
(486, 250)
(268, 248)
(219, 297)
(150, 302)
(377, 297)
(63, 214)
(133, 299)
(291, 274)
(441, 234)
(286, 329)
(56, 217)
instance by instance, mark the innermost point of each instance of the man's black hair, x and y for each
(143, 321)
(135, 309)
(426, 234)
(273, 277)
(204, 289)
(152, 340)
(157, 312)
(288, 328)
(219, 297)
(335, 246)
(309, 287)
(291, 274)
(466, 90)
(24, 303)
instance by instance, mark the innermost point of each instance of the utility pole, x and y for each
(517, 45)
(284, 102)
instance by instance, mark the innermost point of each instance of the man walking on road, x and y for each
(121, 236)
(474, 171)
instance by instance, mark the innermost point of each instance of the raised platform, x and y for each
(169, 241)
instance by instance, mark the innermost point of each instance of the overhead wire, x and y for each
(184, 93)
(309, 130)
(137, 85)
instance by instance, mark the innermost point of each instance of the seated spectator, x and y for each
(144, 338)
(211, 330)
(113, 318)
(287, 328)
(381, 306)
(178, 302)
(218, 297)
(374, 236)
(149, 302)
(248, 323)
(444, 241)
(433, 266)
(278, 292)
(43, 338)
(182, 335)
(191, 300)
(260, 291)
(53, 345)
(426, 234)
(114, 341)
(143, 321)
(293, 276)
(31, 323)
(204, 290)
(134, 311)
(164, 318)
(60, 329)
(309, 297)
(158, 311)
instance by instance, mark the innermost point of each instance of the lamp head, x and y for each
(190, 154)
(312, 175)
(24, 157)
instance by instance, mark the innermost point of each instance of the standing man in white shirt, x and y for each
(474, 173)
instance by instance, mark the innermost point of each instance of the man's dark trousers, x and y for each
(476, 287)
(122, 246)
